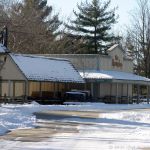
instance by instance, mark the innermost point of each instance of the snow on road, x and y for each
(107, 133)
(126, 129)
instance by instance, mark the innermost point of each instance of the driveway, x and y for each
(77, 130)
(50, 123)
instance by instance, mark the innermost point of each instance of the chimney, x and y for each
(4, 36)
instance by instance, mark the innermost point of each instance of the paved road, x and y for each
(58, 130)
(50, 123)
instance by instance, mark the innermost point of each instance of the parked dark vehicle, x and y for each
(75, 96)
(86, 92)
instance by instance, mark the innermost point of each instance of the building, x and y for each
(108, 76)
(34, 77)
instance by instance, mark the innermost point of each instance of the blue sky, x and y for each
(65, 8)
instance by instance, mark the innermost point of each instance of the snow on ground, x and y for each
(127, 129)
(21, 116)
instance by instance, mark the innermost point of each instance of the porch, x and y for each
(40, 91)
(117, 87)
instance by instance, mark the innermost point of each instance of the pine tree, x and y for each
(93, 24)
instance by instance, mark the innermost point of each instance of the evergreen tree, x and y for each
(93, 24)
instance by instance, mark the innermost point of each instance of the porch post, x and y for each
(121, 98)
(65, 84)
(138, 94)
(26, 90)
(85, 86)
(122, 89)
(148, 94)
(58, 87)
(9, 88)
(99, 90)
(1, 86)
(116, 93)
(14, 91)
(54, 90)
(92, 89)
(68, 86)
(59, 95)
(132, 92)
(111, 89)
(128, 93)
(40, 89)
(57, 90)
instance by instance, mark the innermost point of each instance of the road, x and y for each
(77, 130)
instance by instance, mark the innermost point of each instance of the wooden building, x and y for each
(34, 77)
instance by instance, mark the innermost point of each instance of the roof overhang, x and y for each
(56, 81)
(107, 76)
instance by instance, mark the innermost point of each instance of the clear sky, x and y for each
(65, 8)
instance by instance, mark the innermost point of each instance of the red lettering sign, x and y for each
(116, 62)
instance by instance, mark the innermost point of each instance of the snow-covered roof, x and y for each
(46, 69)
(3, 49)
(113, 47)
(112, 75)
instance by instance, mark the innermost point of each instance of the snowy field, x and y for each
(117, 127)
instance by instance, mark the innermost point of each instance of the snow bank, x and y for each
(17, 116)
(102, 106)
(134, 116)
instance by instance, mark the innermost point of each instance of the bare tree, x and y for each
(32, 25)
(138, 38)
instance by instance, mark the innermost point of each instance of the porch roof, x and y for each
(114, 76)
(36, 68)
